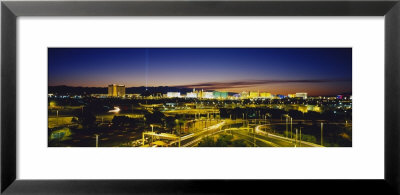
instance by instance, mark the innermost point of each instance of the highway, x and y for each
(194, 138)
(198, 136)
(261, 138)
(257, 138)
(254, 140)
(283, 141)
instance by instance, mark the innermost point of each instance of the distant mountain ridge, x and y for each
(68, 90)
(64, 90)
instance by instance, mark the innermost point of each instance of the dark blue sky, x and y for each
(318, 71)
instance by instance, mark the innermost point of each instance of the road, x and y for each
(195, 138)
(258, 138)
(283, 141)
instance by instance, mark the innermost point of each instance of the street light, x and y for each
(179, 132)
(97, 140)
(243, 119)
(322, 133)
(287, 134)
(270, 117)
(300, 136)
(291, 128)
(152, 136)
(265, 118)
(254, 138)
(287, 120)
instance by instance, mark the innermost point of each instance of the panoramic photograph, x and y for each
(199, 97)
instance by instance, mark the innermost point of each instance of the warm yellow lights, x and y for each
(116, 109)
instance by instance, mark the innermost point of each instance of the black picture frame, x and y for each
(11, 10)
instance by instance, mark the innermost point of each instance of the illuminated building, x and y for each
(121, 90)
(291, 95)
(112, 90)
(244, 95)
(265, 95)
(191, 95)
(195, 94)
(220, 95)
(208, 95)
(158, 95)
(132, 95)
(173, 94)
(224, 95)
(200, 94)
(254, 94)
(301, 95)
(115, 90)
(99, 95)
(280, 96)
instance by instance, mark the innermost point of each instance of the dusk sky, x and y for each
(317, 71)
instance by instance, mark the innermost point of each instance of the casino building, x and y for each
(115, 90)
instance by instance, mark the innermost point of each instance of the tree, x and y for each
(154, 118)
(170, 123)
(295, 114)
(225, 139)
(180, 122)
(87, 119)
(158, 116)
(121, 121)
(239, 143)
(221, 142)
(207, 142)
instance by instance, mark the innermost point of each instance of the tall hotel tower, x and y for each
(115, 90)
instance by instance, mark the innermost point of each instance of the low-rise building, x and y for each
(254, 94)
(208, 95)
(265, 95)
(173, 94)
(301, 95)
(291, 95)
(191, 95)
(220, 95)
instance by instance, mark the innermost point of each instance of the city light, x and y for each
(116, 109)
(200, 97)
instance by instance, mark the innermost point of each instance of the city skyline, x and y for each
(317, 71)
